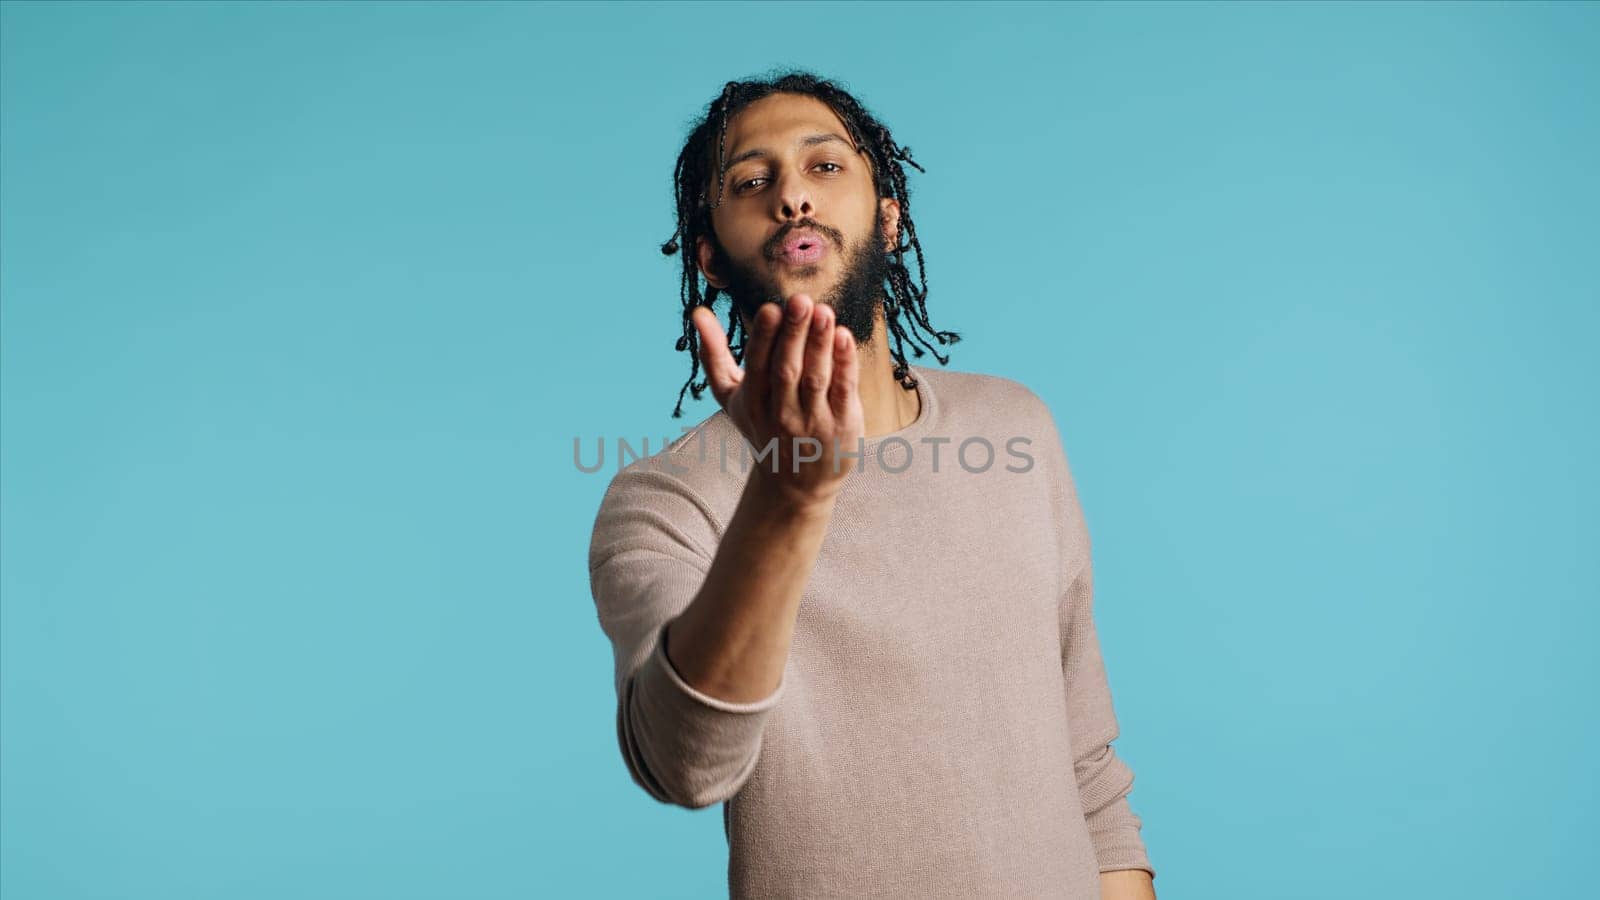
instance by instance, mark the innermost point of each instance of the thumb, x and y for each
(722, 373)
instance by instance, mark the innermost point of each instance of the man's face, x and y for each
(799, 214)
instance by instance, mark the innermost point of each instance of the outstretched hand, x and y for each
(800, 380)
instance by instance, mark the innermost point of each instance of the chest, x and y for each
(950, 590)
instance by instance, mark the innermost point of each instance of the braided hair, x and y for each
(691, 178)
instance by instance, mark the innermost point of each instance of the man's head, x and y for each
(789, 185)
(797, 210)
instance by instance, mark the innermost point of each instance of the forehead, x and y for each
(779, 122)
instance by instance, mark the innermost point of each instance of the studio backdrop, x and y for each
(303, 307)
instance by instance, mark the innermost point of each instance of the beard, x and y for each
(855, 299)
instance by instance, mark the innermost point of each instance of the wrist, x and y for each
(776, 494)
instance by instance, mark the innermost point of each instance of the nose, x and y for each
(794, 198)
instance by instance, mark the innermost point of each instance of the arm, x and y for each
(1104, 780)
(702, 643)
(700, 647)
(733, 641)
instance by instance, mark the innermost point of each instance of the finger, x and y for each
(818, 371)
(846, 372)
(758, 348)
(788, 356)
(722, 373)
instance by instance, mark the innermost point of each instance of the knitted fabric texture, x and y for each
(944, 724)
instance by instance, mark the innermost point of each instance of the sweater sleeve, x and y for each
(1104, 779)
(652, 546)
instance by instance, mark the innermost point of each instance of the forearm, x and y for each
(1127, 884)
(732, 641)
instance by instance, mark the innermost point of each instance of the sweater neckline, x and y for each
(928, 402)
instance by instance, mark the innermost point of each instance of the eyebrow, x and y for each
(810, 140)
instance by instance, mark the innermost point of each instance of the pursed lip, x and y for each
(817, 247)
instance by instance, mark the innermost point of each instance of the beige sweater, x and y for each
(944, 723)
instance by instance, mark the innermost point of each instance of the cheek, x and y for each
(741, 235)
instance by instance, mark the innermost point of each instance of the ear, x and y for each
(705, 254)
(889, 211)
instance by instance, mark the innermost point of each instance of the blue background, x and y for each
(303, 306)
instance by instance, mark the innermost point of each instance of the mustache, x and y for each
(774, 246)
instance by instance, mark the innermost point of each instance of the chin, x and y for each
(814, 283)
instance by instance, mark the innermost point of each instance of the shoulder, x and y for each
(1007, 401)
(1003, 408)
(675, 465)
(684, 492)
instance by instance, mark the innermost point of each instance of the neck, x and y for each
(886, 406)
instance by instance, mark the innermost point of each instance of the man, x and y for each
(833, 611)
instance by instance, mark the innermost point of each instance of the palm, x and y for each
(798, 391)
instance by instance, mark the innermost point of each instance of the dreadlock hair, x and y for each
(904, 298)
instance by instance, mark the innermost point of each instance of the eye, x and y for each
(740, 187)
